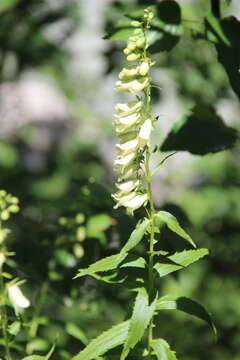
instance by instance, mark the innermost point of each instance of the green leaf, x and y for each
(188, 257)
(107, 340)
(215, 30)
(142, 314)
(200, 132)
(6, 5)
(112, 262)
(229, 56)
(136, 235)
(139, 263)
(73, 330)
(105, 264)
(14, 328)
(168, 25)
(186, 305)
(40, 357)
(162, 350)
(173, 224)
(180, 260)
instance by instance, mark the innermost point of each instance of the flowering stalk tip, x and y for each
(133, 120)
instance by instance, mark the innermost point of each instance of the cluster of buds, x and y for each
(8, 205)
(133, 122)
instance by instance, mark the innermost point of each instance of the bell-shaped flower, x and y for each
(126, 122)
(144, 68)
(122, 162)
(135, 203)
(16, 297)
(123, 199)
(127, 136)
(129, 72)
(128, 186)
(133, 57)
(133, 86)
(128, 146)
(129, 172)
(128, 108)
(145, 132)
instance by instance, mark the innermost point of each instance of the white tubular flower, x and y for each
(134, 86)
(128, 109)
(127, 136)
(123, 199)
(144, 68)
(122, 162)
(128, 146)
(128, 72)
(128, 186)
(125, 123)
(138, 85)
(129, 172)
(132, 124)
(135, 203)
(16, 297)
(145, 132)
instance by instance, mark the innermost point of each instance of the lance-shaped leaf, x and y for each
(179, 260)
(142, 314)
(200, 132)
(40, 357)
(139, 263)
(136, 236)
(113, 261)
(107, 340)
(162, 350)
(106, 264)
(186, 305)
(164, 217)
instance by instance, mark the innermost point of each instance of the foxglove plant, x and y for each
(134, 123)
(10, 292)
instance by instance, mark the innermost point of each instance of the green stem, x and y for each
(151, 246)
(3, 312)
(35, 321)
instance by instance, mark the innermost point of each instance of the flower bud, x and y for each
(137, 31)
(140, 42)
(126, 51)
(138, 85)
(145, 132)
(16, 297)
(131, 47)
(129, 108)
(136, 24)
(133, 57)
(128, 72)
(144, 68)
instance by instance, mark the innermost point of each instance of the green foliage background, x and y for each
(67, 220)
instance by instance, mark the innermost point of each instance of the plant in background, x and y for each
(10, 292)
(134, 124)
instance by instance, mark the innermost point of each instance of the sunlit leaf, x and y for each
(142, 314)
(186, 305)
(136, 235)
(107, 340)
(162, 350)
(164, 217)
(180, 260)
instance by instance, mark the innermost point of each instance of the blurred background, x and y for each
(57, 75)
